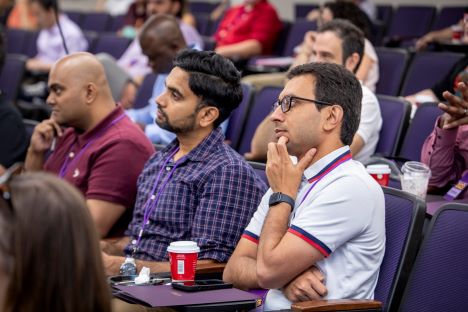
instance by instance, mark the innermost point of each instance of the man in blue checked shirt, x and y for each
(197, 188)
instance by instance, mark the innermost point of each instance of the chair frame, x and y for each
(427, 237)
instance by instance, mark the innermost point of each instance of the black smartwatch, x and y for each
(279, 197)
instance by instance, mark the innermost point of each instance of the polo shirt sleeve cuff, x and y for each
(311, 240)
(250, 236)
(445, 137)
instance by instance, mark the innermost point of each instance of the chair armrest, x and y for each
(210, 271)
(338, 305)
(210, 268)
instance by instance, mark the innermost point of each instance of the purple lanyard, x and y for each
(152, 200)
(335, 164)
(67, 162)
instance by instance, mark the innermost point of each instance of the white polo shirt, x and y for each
(342, 216)
(370, 124)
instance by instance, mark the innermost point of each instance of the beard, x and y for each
(184, 126)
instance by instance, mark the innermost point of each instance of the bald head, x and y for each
(79, 93)
(83, 68)
(160, 40)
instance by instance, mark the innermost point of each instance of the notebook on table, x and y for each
(166, 296)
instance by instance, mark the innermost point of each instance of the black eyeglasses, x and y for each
(5, 178)
(287, 102)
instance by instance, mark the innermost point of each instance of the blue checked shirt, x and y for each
(210, 199)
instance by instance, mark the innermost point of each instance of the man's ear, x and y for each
(208, 115)
(333, 117)
(352, 61)
(91, 93)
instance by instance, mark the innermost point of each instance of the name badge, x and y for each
(456, 190)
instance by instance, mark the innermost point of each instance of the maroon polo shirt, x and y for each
(108, 167)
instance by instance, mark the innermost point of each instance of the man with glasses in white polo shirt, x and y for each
(323, 219)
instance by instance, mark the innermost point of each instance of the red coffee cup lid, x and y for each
(183, 247)
(378, 169)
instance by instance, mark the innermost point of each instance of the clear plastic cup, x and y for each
(380, 172)
(183, 257)
(415, 178)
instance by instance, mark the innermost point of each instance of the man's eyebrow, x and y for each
(55, 86)
(173, 89)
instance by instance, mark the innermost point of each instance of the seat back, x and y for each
(296, 35)
(203, 24)
(392, 66)
(202, 6)
(12, 75)
(280, 44)
(145, 91)
(96, 21)
(116, 23)
(16, 40)
(404, 219)
(384, 13)
(403, 23)
(301, 10)
(447, 17)
(237, 118)
(29, 126)
(259, 109)
(75, 16)
(111, 44)
(421, 126)
(426, 69)
(92, 37)
(30, 49)
(395, 117)
(439, 278)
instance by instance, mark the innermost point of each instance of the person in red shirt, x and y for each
(92, 143)
(248, 30)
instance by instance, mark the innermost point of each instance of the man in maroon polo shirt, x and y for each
(93, 145)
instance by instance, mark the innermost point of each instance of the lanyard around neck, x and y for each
(67, 162)
(332, 166)
(153, 199)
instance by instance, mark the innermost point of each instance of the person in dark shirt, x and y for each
(13, 138)
(458, 73)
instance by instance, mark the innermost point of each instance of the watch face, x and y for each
(275, 199)
(278, 197)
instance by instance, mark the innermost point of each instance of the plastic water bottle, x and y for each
(128, 267)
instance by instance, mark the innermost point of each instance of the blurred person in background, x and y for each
(13, 138)
(248, 30)
(22, 17)
(49, 246)
(458, 73)
(339, 42)
(134, 19)
(50, 44)
(367, 6)
(134, 63)
(114, 7)
(368, 71)
(445, 150)
(445, 34)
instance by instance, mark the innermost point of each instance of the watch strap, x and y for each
(278, 197)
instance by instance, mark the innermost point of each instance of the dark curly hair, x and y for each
(212, 77)
(337, 85)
